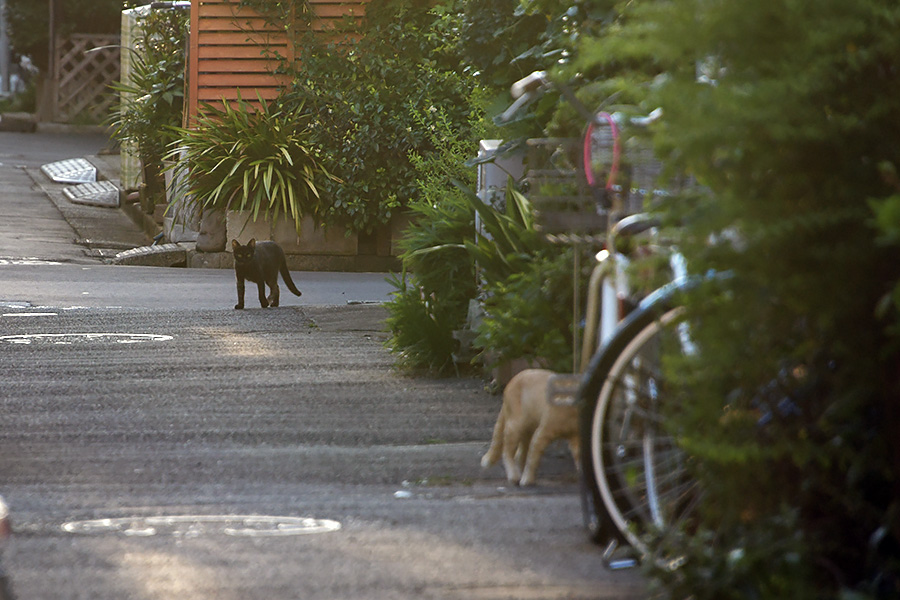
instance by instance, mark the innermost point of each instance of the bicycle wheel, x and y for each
(634, 471)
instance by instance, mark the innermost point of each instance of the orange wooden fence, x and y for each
(234, 50)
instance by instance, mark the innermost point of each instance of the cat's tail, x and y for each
(286, 275)
(493, 454)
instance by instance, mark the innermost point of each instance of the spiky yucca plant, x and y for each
(252, 157)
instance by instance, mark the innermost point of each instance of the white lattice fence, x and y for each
(82, 80)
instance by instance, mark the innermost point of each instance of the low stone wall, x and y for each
(310, 240)
(312, 248)
(298, 262)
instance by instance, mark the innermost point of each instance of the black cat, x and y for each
(260, 263)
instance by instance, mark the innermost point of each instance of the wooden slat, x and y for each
(233, 47)
(217, 28)
(237, 79)
(228, 9)
(257, 24)
(241, 38)
(234, 65)
(214, 94)
(205, 53)
(331, 11)
(222, 9)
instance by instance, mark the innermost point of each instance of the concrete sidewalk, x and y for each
(38, 224)
(36, 219)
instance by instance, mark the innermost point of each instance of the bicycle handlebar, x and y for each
(174, 5)
(529, 84)
(529, 87)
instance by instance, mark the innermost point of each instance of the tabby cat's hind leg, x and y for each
(511, 440)
(539, 442)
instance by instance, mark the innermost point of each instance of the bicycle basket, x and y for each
(564, 202)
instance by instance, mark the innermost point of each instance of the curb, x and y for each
(18, 122)
(163, 255)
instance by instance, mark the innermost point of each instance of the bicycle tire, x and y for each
(634, 476)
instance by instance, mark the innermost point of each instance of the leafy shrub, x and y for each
(790, 410)
(151, 106)
(527, 285)
(525, 282)
(422, 326)
(259, 159)
(525, 312)
(432, 294)
(438, 279)
(24, 101)
(401, 62)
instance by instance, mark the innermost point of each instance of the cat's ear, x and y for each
(235, 245)
(252, 243)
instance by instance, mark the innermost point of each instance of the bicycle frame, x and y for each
(609, 289)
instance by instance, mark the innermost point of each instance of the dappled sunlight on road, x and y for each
(157, 575)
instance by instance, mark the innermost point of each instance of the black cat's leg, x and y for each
(275, 293)
(240, 293)
(261, 286)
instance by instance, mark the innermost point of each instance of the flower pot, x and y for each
(181, 219)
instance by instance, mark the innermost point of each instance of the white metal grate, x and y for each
(73, 170)
(96, 193)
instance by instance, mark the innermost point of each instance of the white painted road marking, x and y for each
(70, 338)
(196, 525)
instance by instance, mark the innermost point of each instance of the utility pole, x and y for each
(50, 75)
(5, 87)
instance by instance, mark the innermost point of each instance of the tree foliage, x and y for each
(28, 21)
(403, 59)
(497, 41)
(524, 279)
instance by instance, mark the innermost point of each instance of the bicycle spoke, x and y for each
(633, 442)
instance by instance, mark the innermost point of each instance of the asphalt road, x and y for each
(55, 284)
(157, 444)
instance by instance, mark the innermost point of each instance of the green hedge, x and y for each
(791, 410)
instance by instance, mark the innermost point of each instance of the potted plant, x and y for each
(254, 158)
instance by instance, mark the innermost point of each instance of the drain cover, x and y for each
(94, 193)
(73, 170)
(67, 339)
(188, 526)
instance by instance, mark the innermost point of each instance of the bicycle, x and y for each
(634, 478)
